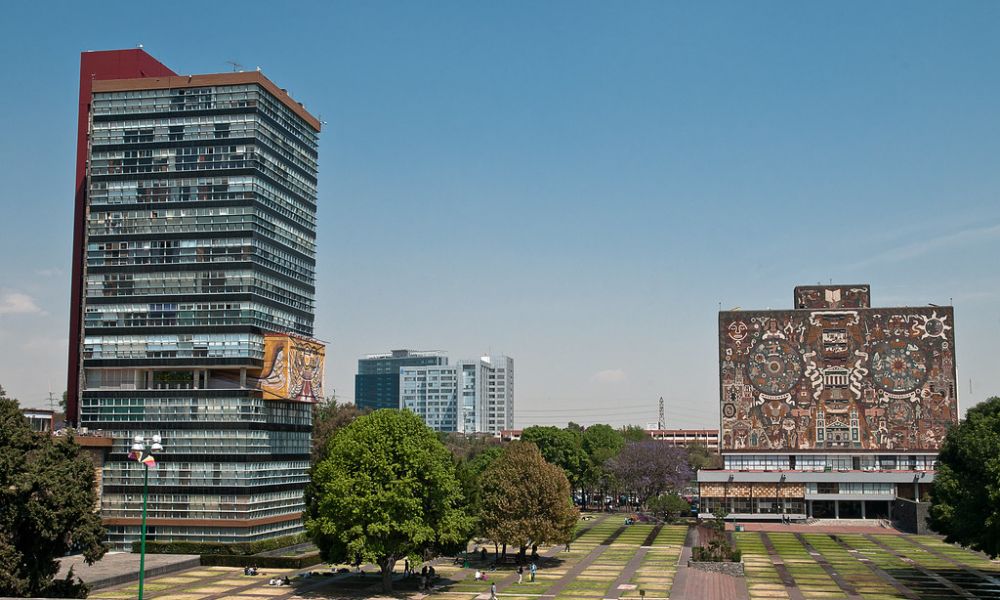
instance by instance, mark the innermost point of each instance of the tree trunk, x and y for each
(387, 566)
(504, 553)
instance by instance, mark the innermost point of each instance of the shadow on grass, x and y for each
(930, 588)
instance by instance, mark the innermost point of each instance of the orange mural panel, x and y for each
(293, 369)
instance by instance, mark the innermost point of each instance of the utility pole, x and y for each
(662, 424)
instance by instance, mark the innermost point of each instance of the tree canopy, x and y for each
(329, 417)
(47, 502)
(965, 499)
(649, 468)
(560, 447)
(385, 491)
(526, 500)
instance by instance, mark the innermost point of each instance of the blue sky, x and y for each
(580, 185)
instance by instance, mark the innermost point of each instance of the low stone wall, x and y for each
(910, 516)
(729, 568)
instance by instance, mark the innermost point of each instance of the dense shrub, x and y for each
(716, 551)
(221, 549)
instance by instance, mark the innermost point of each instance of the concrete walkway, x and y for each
(694, 584)
(117, 568)
(823, 528)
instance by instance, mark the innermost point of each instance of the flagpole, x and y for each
(144, 455)
(142, 544)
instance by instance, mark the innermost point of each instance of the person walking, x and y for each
(520, 573)
(493, 590)
(406, 568)
(534, 570)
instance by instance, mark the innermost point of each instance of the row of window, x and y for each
(199, 282)
(202, 127)
(159, 409)
(214, 250)
(195, 345)
(835, 462)
(165, 191)
(191, 314)
(122, 536)
(882, 489)
(192, 220)
(218, 441)
(208, 474)
(201, 99)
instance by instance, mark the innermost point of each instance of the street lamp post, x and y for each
(142, 450)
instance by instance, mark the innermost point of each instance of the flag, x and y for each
(149, 461)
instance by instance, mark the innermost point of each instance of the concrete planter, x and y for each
(729, 568)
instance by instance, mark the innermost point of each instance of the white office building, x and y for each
(469, 396)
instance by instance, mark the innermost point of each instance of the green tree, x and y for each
(469, 472)
(700, 457)
(47, 508)
(560, 447)
(526, 500)
(634, 433)
(329, 417)
(669, 506)
(965, 499)
(385, 491)
(600, 443)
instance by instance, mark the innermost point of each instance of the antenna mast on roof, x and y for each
(236, 66)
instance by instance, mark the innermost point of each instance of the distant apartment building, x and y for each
(193, 296)
(686, 437)
(376, 384)
(470, 396)
(834, 409)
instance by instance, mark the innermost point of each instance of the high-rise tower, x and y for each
(193, 295)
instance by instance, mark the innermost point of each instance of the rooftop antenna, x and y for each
(236, 66)
(662, 424)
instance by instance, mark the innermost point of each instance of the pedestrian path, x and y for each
(694, 584)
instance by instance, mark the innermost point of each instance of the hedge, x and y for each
(219, 548)
(261, 562)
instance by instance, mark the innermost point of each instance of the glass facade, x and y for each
(200, 239)
(377, 383)
(472, 396)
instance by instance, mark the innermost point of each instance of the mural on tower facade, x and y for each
(836, 376)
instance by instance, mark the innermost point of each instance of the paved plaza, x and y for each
(611, 560)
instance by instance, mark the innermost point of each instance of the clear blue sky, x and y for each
(579, 185)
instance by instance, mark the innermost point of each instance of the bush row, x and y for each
(261, 562)
(221, 549)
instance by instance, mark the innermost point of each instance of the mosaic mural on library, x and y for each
(847, 378)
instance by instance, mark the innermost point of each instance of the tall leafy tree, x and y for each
(648, 469)
(965, 499)
(47, 507)
(560, 447)
(469, 472)
(701, 457)
(600, 443)
(385, 491)
(634, 433)
(329, 417)
(526, 500)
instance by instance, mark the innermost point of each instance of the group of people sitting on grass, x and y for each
(250, 570)
(280, 581)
